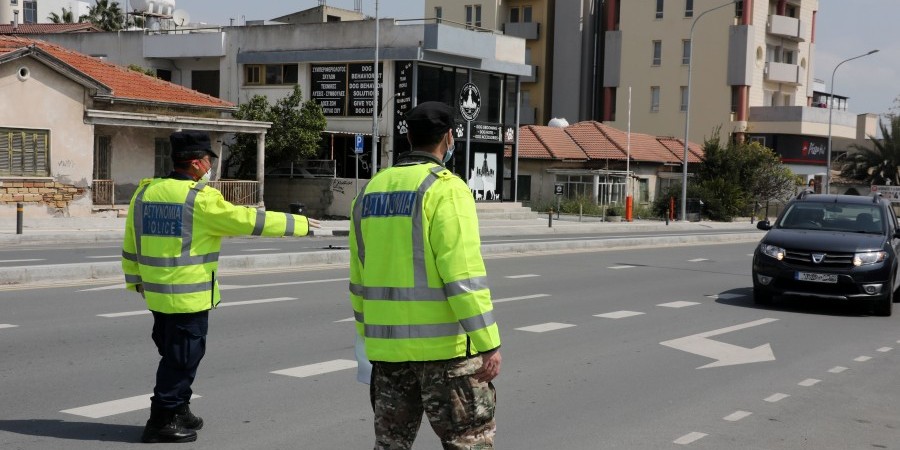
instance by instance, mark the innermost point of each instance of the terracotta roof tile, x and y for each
(598, 141)
(124, 83)
(594, 143)
(41, 28)
(559, 143)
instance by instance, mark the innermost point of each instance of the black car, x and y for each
(841, 247)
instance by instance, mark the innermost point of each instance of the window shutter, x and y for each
(5, 152)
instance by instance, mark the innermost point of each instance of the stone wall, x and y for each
(45, 192)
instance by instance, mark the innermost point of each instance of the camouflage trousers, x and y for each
(459, 408)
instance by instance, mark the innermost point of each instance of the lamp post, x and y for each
(374, 166)
(830, 113)
(687, 109)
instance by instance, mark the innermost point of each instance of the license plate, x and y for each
(817, 277)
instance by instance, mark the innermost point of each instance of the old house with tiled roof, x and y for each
(77, 132)
(595, 160)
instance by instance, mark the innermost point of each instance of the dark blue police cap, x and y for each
(429, 118)
(188, 145)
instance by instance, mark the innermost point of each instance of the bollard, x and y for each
(550, 217)
(19, 211)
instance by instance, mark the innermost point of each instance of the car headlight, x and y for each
(865, 258)
(773, 251)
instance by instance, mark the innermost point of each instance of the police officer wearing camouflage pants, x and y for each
(420, 296)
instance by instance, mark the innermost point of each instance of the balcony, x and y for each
(524, 30)
(531, 78)
(787, 27)
(785, 73)
(801, 120)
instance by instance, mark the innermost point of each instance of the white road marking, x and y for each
(524, 297)
(680, 304)
(737, 415)
(618, 314)
(530, 275)
(776, 397)
(19, 260)
(698, 260)
(311, 370)
(809, 382)
(349, 319)
(114, 407)
(862, 358)
(222, 304)
(103, 257)
(288, 283)
(837, 369)
(7, 325)
(544, 327)
(690, 438)
(725, 296)
(104, 288)
(620, 267)
(885, 349)
(723, 353)
(124, 314)
(260, 249)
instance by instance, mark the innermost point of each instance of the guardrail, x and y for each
(239, 192)
(103, 192)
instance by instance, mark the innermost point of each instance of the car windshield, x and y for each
(848, 217)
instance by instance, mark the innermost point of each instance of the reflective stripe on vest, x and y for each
(430, 330)
(187, 235)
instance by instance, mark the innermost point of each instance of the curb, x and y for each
(54, 273)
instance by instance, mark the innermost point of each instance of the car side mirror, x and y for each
(764, 225)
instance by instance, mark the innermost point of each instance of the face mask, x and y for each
(205, 176)
(449, 153)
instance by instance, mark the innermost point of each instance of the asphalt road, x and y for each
(80, 253)
(584, 366)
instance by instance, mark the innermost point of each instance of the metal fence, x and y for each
(239, 192)
(104, 192)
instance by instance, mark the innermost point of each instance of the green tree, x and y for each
(880, 164)
(294, 136)
(735, 178)
(137, 68)
(65, 17)
(105, 15)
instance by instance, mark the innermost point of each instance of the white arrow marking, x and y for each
(725, 354)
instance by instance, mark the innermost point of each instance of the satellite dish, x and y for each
(558, 123)
(181, 17)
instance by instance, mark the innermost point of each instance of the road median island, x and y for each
(111, 271)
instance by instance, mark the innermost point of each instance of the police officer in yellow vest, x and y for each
(419, 291)
(170, 256)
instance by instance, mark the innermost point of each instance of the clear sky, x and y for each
(845, 28)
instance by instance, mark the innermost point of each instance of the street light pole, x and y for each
(374, 166)
(830, 113)
(687, 109)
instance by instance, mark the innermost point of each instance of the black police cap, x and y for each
(188, 145)
(429, 118)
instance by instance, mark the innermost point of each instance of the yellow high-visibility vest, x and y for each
(417, 279)
(173, 236)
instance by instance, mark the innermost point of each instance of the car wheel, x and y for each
(761, 296)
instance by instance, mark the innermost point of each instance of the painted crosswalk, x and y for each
(679, 304)
(528, 275)
(7, 325)
(221, 305)
(523, 297)
(618, 314)
(311, 370)
(545, 327)
(111, 408)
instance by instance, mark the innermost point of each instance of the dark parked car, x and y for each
(841, 247)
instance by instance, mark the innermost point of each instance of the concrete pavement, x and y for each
(68, 231)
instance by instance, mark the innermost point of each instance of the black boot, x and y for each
(164, 427)
(187, 419)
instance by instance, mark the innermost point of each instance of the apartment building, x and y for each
(554, 39)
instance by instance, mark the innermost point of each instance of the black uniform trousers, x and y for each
(181, 342)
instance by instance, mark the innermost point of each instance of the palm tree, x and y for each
(66, 17)
(879, 165)
(106, 15)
